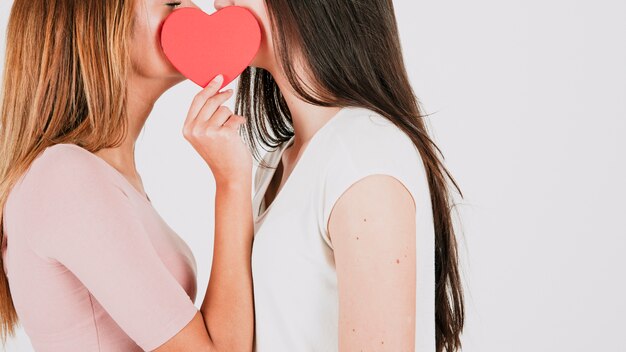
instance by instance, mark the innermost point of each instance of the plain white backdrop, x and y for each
(528, 104)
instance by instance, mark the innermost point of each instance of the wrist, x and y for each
(231, 185)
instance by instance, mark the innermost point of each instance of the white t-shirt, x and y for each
(293, 267)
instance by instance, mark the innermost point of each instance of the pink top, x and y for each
(91, 264)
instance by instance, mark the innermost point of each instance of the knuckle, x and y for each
(198, 98)
(186, 132)
(224, 110)
(214, 100)
(197, 133)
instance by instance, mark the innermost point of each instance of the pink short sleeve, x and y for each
(85, 222)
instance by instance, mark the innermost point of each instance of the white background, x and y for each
(529, 102)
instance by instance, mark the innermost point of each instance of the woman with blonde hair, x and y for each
(88, 263)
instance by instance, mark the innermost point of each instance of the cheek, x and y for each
(265, 57)
(147, 56)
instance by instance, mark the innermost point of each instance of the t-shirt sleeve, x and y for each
(86, 222)
(352, 162)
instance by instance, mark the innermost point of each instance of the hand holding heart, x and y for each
(200, 46)
(213, 131)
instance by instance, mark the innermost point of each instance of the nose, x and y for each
(220, 4)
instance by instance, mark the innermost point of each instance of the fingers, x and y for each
(218, 118)
(201, 98)
(208, 111)
(234, 121)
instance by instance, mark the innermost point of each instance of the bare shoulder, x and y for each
(375, 204)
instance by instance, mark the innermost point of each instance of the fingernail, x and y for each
(218, 79)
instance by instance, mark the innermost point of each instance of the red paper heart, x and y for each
(201, 46)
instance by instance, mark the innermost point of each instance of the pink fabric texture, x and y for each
(91, 264)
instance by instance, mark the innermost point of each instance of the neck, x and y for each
(142, 94)
(307, 118)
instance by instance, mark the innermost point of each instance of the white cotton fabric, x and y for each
(295, 282)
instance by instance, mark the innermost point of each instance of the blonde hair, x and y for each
(64, 81)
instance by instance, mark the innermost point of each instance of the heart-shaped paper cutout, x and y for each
(201, 46)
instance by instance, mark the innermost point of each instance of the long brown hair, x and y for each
(64, 81)
(352, 50)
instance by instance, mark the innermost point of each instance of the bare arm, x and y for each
(228, 305)
(226, 319)
(372, 227)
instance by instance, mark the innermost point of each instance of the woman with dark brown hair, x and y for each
(354, 247)
(88, 263)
